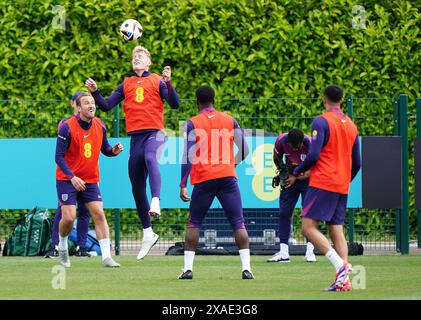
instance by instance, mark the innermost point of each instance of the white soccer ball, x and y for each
(131, 30)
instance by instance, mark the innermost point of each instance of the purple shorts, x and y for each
(68, 195)
(226, 191)
(322, 205)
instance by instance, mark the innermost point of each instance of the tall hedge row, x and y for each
(245, 48)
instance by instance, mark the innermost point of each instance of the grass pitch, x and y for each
(215, 277)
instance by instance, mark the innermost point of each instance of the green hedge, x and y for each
(244, 48)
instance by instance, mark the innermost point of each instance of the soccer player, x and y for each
(334, 160)
(79, 143)
(295, 146)
(83, 213)
(209, 160)
(143, 94)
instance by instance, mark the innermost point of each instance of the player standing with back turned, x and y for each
(210, 162)
(334, 160)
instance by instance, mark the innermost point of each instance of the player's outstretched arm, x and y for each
(91, 85)
(166, 74)
(105, 104)
(167, 91)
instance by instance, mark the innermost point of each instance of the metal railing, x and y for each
(379, 230)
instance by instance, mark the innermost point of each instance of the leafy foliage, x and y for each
(252, 49)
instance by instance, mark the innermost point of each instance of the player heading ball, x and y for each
(143, 93)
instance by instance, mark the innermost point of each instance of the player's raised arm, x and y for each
(166, 89)
(105, 104)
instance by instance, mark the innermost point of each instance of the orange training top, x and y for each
(143, 106)
(332, 172)
(214, 150)
(83, 153)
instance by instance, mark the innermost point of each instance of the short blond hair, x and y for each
(139, 49)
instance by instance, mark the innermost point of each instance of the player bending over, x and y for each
(295, 146)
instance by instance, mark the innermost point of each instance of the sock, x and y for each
(105, 248)
(334, 259)
(284, 249)
(155, 205)
(188, 260)
(62, 245)
(147, 233)
(245, 259)
(310, 247)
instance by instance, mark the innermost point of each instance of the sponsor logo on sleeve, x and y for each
(314, 135)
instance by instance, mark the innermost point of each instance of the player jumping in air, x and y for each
(143, 94)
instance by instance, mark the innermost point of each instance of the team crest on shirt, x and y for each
(303, 156)
(314, 134)
(64, 196)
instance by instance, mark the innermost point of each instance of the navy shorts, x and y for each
(323, 205)
(226, 191)
(68, 195)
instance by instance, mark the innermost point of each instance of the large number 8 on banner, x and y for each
(88, 150)
(139, 94)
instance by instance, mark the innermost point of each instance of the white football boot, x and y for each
(147, 245)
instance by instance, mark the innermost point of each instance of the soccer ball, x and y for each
(131, 30)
